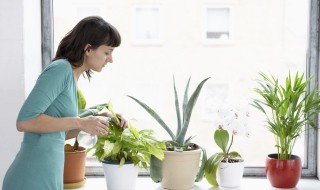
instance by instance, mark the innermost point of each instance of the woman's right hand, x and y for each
(96, 125)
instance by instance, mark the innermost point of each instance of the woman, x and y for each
(50, 111)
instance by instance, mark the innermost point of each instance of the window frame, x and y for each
(312, 69)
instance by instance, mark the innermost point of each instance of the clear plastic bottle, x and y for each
(88, 140)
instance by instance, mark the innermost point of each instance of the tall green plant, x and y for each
(292, 107)
(178, 139)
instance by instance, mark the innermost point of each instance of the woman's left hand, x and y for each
(123, 121)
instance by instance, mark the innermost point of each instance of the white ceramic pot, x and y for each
(120, 178)
(230, 174)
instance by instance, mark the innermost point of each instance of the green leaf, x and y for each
(81, 100)
(234, 154)
(200, 174)
(177, 107)
(192, 101)
(211, 168)
(155, 116)
(221, 137)
(155, 169)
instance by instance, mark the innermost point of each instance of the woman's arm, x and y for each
(72, 134)
(47, 124)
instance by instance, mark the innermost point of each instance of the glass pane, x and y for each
(269, 36)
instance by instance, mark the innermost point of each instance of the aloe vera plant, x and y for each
(178, 141)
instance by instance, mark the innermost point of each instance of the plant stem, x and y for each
(229, 146)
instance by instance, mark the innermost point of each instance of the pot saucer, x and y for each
(74, 185)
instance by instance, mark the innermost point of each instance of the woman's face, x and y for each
(96, 59)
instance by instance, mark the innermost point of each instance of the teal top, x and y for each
(39, 163)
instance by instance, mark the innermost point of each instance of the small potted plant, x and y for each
(75, 155)
(179, 169)
(289, 108)
(227, 166)
(124, 151)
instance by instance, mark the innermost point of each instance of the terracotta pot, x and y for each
(283, 173)
(179, 169)
(74, 166)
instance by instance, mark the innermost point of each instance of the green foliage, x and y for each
(221, 138)
(177, 142)
(292, 107)
(81, 100)
(121, 145)
(178, 139)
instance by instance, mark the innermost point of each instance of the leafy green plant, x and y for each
(292, 107)
(121, 145)
(178, 141)
(231, 120)
(221, 138)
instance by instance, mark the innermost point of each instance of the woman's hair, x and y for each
(91, 30)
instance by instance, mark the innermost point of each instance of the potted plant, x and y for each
(75, 155)
(227, 166)
(124, 151)
(288, 108)
(179, 168)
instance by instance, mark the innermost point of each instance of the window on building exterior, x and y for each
(218, 24)
(146, 25)
(269, 36)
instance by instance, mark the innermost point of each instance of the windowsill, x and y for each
(248, 183)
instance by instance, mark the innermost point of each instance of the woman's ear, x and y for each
(87, 48)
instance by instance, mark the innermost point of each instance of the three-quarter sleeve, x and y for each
(49, 85)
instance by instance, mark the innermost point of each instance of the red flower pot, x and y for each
(283, 173)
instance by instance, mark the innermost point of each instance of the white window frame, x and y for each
(158, 41)
(207, 41)
(312, 67)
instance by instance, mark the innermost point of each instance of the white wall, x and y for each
(20, 59)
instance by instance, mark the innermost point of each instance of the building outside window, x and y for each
(175, 38)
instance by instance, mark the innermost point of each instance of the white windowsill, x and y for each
(145, 183)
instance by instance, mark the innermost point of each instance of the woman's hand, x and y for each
(96, 125)
(123, 121)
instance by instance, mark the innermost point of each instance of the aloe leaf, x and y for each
(192, 101)
(202, 167)
(155, 116)
(177, 107)
(185, 99)
(155, 169)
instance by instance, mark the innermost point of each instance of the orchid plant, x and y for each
(231, 121)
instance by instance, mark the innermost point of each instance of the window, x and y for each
(270, 37)
(217, 24)
(146, 25)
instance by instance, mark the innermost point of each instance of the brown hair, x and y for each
(91, 30)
